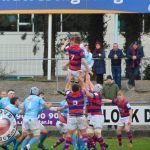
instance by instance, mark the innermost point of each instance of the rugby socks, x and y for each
(12, 139)
(32, 141)
(101, 142)
(81, 144)
(74, 141)
(58, 142)
(130, 136)
(91, 143)
(119, 137)
(42, 139)
(16, 145)
(85, 139)
(67, 143)
(25, 142)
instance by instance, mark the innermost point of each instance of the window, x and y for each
(8, 23)
(25, 23)
(21, 23)
(38, 23)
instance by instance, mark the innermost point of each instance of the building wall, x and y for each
(12, 47)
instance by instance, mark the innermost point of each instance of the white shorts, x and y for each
(31, 125)
(96, 121)
(62, 127)
(76, 122)
(17, 133)
(41, 127)
(74, 73)
(123, 121)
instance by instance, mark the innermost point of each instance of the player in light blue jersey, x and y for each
(14, 109)
(31, 125)
(65, 111)
(5, 101)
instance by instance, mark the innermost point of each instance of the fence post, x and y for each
(57, 74)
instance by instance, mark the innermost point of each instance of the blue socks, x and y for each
(74, 141)
(12, 139)
(42, 139)
(25, 142)
(33, 141)
(16, 145)
(81, 144)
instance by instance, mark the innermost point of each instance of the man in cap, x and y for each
(116, 55)
(110, 90)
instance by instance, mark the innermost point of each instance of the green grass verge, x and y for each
(138, 144)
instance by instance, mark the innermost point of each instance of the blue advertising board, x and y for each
(68, 6)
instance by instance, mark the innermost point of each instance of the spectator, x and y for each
(115, 55)
(134, 55)
(99, 62)
(3, 94)
(110, 90)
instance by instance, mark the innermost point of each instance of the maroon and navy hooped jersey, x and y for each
(75, 56)
(123, 107)
(94, 104)
(75, 102)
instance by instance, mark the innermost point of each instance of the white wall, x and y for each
(13, 47)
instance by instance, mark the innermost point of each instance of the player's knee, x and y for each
(127, 129)
(90, 132)
(36, 133)
(44, 131)
(118, 131)
(98, 132)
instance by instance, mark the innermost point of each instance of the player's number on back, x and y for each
(72, 57)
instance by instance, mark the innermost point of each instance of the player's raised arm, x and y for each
(89, 94)
(85, 64)
(107, 100)
(66, 42)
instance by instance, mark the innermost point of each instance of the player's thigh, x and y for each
(90, 131)
(97, 121)
(25, 127)
(121, 122)
(97, 132)
(62, 128)
(127, 127)
(82, 123)
(71, 123)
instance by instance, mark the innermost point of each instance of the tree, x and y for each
(96, 29)
(132, 31)
(132, 27)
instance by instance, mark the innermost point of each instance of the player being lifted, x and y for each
(76, 57)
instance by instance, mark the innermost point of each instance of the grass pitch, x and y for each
(138, 144)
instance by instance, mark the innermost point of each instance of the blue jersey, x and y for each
(5, 101)
(13, 109)
(32, 106)
(42, 107)
(88, 58)
(62, 104)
